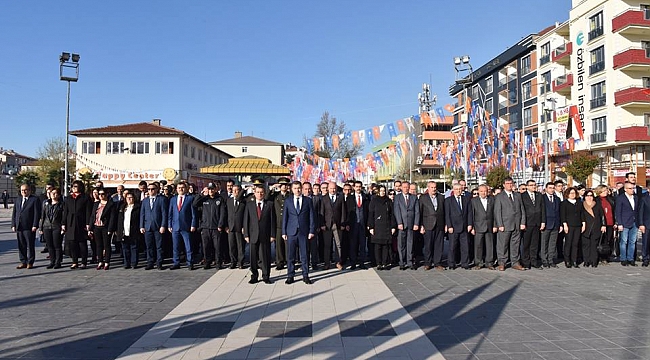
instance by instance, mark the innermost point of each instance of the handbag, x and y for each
(603, 248)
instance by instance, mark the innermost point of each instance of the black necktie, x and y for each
(511, 198)
(460, 206)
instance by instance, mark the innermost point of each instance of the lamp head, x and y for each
(64, 57)
(457, 60)
(465, 59)
(75, 58)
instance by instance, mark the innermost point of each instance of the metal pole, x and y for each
(548, 115)
(67, 142)
(465, 167)
(601, 169)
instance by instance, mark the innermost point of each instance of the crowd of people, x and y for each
(325, 226)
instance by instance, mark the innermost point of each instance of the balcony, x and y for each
(430, 163)
(597, 67)
(634, 97)
(598, 138)
(598, 102)
(632, 60)
(632, 22)
(562, 84)
(544, 59)
(595, 33)
(562, 54)
(632, 134)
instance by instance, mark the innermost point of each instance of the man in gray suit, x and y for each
(510, 220)
(481, 221)
(407, 216)
(433, 226)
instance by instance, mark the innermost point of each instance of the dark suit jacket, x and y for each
(455, 217)
(154, 219)
(262, 229)
(296, 222)
(134, 229)
(355, 211)
(644, 211)
(317, 200)
(638, 191)
(552, 212)
(480, 219)
(535, 213)
(333, 213)
(108, 215)
(76, 212)
(432, 217)
(185, 218)
(235, 213)
(408, 216)
(625, 215)
(26, 217)
(509, 213)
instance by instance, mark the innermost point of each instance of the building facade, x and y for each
(249, 145)
(11, 161)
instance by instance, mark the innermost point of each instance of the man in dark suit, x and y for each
(153, 224)
(457, 210)
(318, 212)
(481, 222)
(627, 207)
(182, 221)
(259, 231)
(432, 228)
(535, 222)
(358, 228)
(552, 226)
(235, 208)
(510, 220)
(278, 198)
(24, 221)
(298, 227)
(407, 216)
(644, 224)
(334, 216)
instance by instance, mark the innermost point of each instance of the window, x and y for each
(489, 106)
(526, 90)
(186, 150)
(549, 134)
(546, 83)
(244, 149)
(525, 65)
(599, 129)
(646, 46)
(91, 147)
(488, 85)
(512, 95)
(114, 147)
(211, 158)
(546, 53)
(193, 152)
(200, 155)
(596, 26)
(139, 147)
(598, 95)
(646, 11)
(646, 82)
(164, 147)
(597, 60)
(528, 116)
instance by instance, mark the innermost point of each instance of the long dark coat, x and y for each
(381, 219)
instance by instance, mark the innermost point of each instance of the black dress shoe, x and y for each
(207, 267)
(191, 267)
(402, 267)
(353, 267)
(253, 281)
(624, 263)
(568, 265)
(267, 281)
(279, 267)
(576, 266)
(413, 267)
(307, 280)
(553, 265)
(233, 266)
(363, 267)
(57, 266)
(160, 267)
(51, 266)
(645, 263)
(631, 263)
(289, 281)
(148, 267)
(176, 267)
(127, 266)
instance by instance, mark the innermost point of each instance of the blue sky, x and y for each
(266, 68)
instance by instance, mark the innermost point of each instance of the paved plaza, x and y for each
(561, 313)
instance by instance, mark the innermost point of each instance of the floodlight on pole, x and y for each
(69, 65)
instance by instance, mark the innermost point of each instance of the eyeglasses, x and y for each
(102, 194)
(474, 193)
(152, 188)
(629, 188)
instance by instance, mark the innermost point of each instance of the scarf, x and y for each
(589, 206)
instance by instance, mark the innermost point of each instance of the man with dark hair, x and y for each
(278, 199)
(334, 218)
(357, 222)
(153, 224)
(298, 227)
(259, 230)
(236, 205)
(552, 226)
(630, 177)
(141, 192)
(213, 221)
(535, 222)
(510, 220)
(5, 199)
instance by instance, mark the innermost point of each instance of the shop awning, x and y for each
(246, 165)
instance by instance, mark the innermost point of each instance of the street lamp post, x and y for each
(426, 103)
(464, 77)
(68, 71)
(602, 157)
(549, 108)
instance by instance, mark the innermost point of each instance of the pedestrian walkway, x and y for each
(343, 315)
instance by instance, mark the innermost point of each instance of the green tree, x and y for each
(496, 176)
(30, 178)
(581, 166)
(51, 162)
(329, 126)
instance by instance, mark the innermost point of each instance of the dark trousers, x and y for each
(280, 248)
(590, 248)
(560, 245)
(130, 250)
(153, 241)
(434, 241)
(357, 244)
(405, 246)
(26, 246)
(571, 242)
(183, 237)
(54, 240)
(211, 245)
(645, 249)
(314, 245)
(299, 241)
(382, 252)
(102, 244)
(549, 246)
(530, 251)
(196, 242)
(456, 240)
(608, 238)
(237, 247)
(332, 236)
(93, 249)
(484, 240)
(78, 248)
(260, 253)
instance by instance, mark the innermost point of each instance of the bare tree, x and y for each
(327, 127)
(51, 160)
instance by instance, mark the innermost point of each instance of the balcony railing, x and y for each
(562, 79)
(503, 105)
(544, 59)
(560, 49)
(598, 138)
(597, 67)
(598, 102)
(597, 32)
(634, 20)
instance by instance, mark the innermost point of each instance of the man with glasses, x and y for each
(552, 226)
(630, 178)
(182, 221)
(153, 223)
(510, 220)
(24, 221)
(627, 209)
(535, 222)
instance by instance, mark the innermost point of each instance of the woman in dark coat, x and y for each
(571, 218)
(50, 228)
(381, 224)
(102, 226)
(608, 206)
(76, 212)
(593, 228)
(128, 230)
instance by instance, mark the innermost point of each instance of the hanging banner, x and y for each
(562, 119)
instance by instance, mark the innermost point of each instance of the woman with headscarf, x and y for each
(382, 224)
(593, 229)
(76, 212)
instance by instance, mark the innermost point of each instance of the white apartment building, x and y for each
(249, 145)
(126, 154)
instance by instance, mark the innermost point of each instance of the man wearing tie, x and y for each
(357, 222)
(510, 220)
(552, 226)
(298, 227)
(433, 226)
(481, 222)
(334, 216)
(259, 231)
(456, 216)
(182, 221)
(153, 224)
(24, 221)
(235, 208)
(407, 216)
(535, 222)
